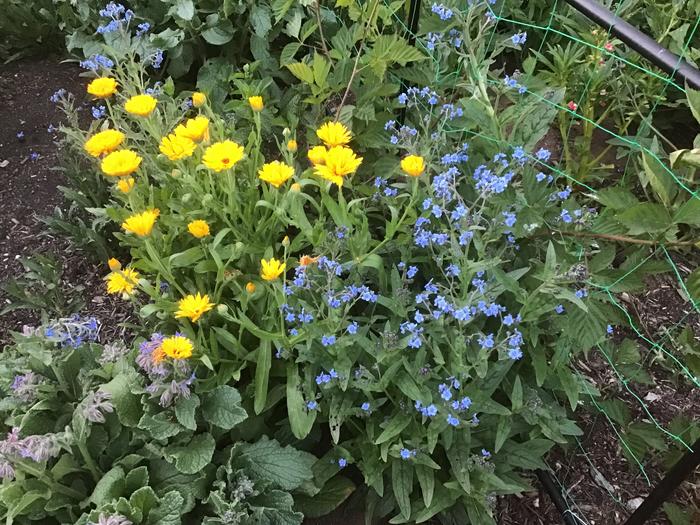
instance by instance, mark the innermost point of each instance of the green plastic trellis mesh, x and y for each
(661, 346)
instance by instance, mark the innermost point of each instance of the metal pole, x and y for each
(555, 495)
(641, 43)
(677, 475)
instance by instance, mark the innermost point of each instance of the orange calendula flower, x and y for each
(177, 347)
(193, 307)
(120, 163)
(103, 87)
(306, 260)
(198, 228)
(141, 224)
(104, 142)
(126, 184)
(271, 269)
(141, 105)
(413, 165)
(114, 264)
(221, 156)
(196, 129)
(340, 162)
(177, 148)
(334, 134)
(198, 99)
(256, 103)
(250, 287)
(122, 281)
(276, 173)
(317, 155)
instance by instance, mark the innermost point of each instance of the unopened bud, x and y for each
(250, 287)
(285, 241)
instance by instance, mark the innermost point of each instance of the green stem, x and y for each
(92, 466)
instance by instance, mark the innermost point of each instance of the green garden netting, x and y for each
(661, 345)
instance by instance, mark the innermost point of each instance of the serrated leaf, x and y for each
(222, 407)
(388, 49)
(660, 179)
(645, 217)
(196, 455)
(616, 197)
(160, 426)
(168, 511)
(689, 212)
(692, 284)
(301, 71)
(286, 467)
(260, 20)
(288, 52)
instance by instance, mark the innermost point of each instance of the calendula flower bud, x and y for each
(221, 309)
(114, 265)
(250, 287)
(285, 241)
(198, 99)
(207, 199)
(186, 198)
(292, 145)
(175, 173)
(296, 187)
(286, 132)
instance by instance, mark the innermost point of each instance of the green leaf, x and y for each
(321, 68)
(692, 283)
(660, 179)
(394, 428)
(388, 49)
(262, 374)
(301, 419)
(502, 432)
(196, 455)
(222, 407)
(218, 36)
(402, 485)
(676, 515)
(645, 217)
(426, 480)
(327, 500)
(688, 157)
(689, 213)
(160, 426)
(126, 405)
(694, 102)
(616, 197)
(288, 52)
(527, 455)
(109, 487)
(286, 467)
(301, 71)
(260, 20)
(168, 511)
(185, 411)
(185, 9)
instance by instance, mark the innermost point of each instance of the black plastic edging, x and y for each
(641, 43)
(551, 488)
(661, 492)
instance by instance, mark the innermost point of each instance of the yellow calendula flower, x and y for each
(413, 165)
(334, 134)
(256, 103)
(114, 264)
(317, 155)
(177, 347)
(122, 281)
(250, 287)
(292, 145)
(141, 105)
(198, 228)
(120, 163)
(198, 99)
(271, 269)
(222, 155)
(340, 162)
(103, 87)
(176, 148)
(276, 173)
(196, 129)
(193, 307)
(104, 142)
(126, 184)
(141, 224)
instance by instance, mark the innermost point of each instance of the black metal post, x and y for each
(555, 495)
(641, 43)
(677, 475)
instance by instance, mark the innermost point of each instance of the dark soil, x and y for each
(29, 191)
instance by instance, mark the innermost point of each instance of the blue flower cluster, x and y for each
(324, 378)
(454, 39)
(442, 11)
(383, 189)
(519, 39)
(512, 83)
(72, 331)
(117, 14)
(95, 62)
(98, 112)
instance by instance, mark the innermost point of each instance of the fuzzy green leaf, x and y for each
(222, 407)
